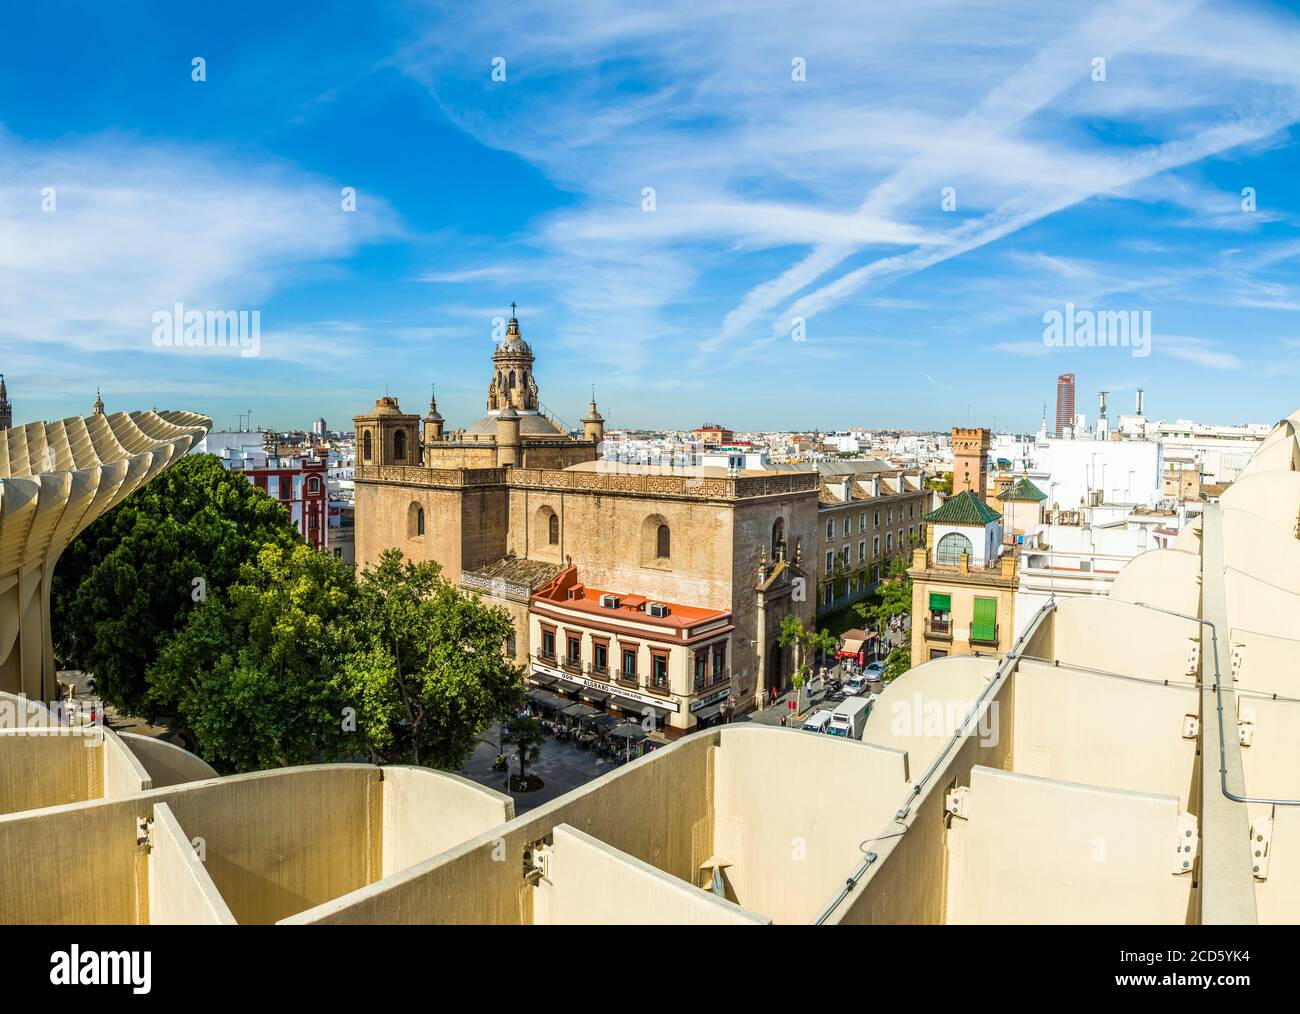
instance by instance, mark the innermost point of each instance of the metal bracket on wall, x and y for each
(957, 802)
(1186, 844)
(1261, 838)
(537, 859)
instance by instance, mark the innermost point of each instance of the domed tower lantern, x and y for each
(512, 384)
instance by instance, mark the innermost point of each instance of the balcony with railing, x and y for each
(711, 680)
(985, 635)
(937, 629)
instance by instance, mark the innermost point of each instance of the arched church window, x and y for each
(399, 446)
(553, 530)
(663, 543)
(365, 446)
(414, 520)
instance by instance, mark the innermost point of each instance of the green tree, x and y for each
(526, 736)
(942, 483)
(806, 641)
(251, 675)
(898, 662)
(892, 598)
(131, 580)
(427, 672)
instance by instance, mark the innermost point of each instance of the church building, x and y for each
(643, 591)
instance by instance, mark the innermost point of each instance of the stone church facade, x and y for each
(633, 589)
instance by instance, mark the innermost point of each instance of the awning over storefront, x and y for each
(854, 642)
(704, 714)
(638, 707)
(564, 686)
(546, 699)
(541, 679)
(599, 696)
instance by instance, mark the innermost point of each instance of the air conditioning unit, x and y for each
(610, 601)
(658, 609)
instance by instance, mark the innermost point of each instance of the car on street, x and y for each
(819, 721)
(874, 671)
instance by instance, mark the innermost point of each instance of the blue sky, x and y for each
(775, 199)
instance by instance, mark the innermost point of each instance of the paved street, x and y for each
(773, 713)
(562, 767)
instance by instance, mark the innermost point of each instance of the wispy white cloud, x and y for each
(832, 185)
(1198, 351)
(97, 234)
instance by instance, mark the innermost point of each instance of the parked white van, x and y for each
(818, 722)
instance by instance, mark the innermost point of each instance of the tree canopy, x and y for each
(250, 676)
(196, 604)
(426, 669)
(128, 582)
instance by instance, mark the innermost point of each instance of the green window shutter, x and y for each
(985, 622)
(940, 603)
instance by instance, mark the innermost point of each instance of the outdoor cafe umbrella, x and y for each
(629, 731)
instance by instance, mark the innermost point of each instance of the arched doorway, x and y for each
(776, 668)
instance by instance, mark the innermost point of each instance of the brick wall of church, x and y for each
(484, 526)
(557, 454)
(383, 522)
(608, 539)
(460, 455)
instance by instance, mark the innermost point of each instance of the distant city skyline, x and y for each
(797, 211)
(956, 415)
